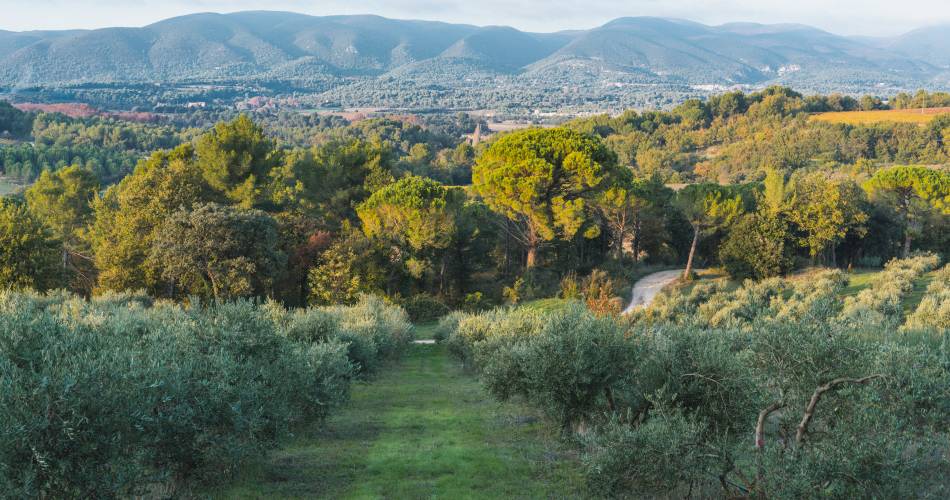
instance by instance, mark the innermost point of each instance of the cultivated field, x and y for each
(921, 116)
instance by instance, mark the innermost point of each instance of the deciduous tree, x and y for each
(219, 251)
(825, 211)
(30, 256)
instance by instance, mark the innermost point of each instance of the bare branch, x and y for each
(816, 397)
(760, 424)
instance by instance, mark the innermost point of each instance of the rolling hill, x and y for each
(929, 44)
(360, 52)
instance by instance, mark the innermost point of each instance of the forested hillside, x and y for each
(410, 209)
(373, 61)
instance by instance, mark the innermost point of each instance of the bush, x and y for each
(881, 304)
(598, 293)
(762, 392)
(757, 247)
(570, 287)
(116, 397)
(425, 308)
(447, 326)
(933, 312)
(476, 302)
(567, 362)
(384, 329)
(741, 306)
(655, 458)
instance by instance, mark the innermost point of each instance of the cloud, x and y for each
(849, 17)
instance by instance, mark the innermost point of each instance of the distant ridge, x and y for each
(322, 53)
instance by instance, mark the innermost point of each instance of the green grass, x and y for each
(546, 305)
(425, 331)
(912, 300)
(861, 279)
(423, 429)
(858, 280)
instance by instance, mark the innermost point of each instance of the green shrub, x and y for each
(570, 287)
(654, 459)
(120, 397)
(425, 308)
(311, 325)
(933, 312)
(757, 247)
(569, 368)
(447, 326)
(476, 302)
(380, 328)
(881, 304)
(758, 392)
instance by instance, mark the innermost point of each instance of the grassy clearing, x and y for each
(546, 305)
(423, 429)
(425, 331)
(918, 116)
(912, 300)
(860, 279)
(8, 187)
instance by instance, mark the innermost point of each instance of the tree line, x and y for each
(234, 214)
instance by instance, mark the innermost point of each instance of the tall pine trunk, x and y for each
(533, 243)
(692, 253)
(532, 257)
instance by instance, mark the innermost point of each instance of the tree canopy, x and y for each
(913, 192)
(218, 251)
(30, 256)
(544, 180)
(708, 208)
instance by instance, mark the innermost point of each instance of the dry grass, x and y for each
(918, 116)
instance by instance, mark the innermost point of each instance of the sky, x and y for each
(845, 17)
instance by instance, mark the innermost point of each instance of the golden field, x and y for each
(919, 116)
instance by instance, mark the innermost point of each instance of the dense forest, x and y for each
(262, 264)
(408, 208)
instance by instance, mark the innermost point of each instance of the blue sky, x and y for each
(848, 17)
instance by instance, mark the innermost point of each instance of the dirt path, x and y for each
(646, 289)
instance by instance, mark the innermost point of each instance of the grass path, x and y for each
(422, 429)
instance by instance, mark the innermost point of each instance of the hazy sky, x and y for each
(848, 17)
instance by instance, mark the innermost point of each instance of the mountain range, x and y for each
(325, 53)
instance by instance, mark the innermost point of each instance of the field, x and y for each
(423, 429)
(919, 116)
(8, 187)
